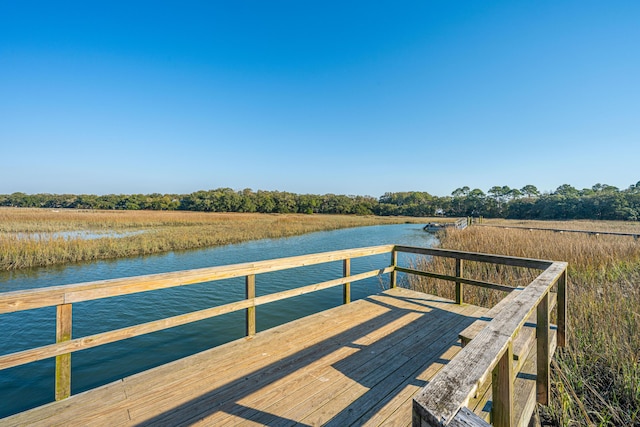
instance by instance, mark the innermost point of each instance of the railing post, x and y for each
(394, 263)
(63, 361)
(502, 390)
(250, 293)
(346, 288)
(459, 287)
(562, 310)
(542, 336)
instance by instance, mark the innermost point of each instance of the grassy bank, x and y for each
(28, 239)
(596, 379)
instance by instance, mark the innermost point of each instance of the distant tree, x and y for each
(587, 192)
(265, 202)
(285, 202)
(605, 188)
(499, 193)
(633, 188)
(521, 208)
(475, 203)
(601, 201)
(566, 190)
(386, 209)
(530, 191)
(461, 192)
(514, 194)
(364, 205)
(498, 196)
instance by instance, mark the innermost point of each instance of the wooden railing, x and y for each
(437, 404)
(63, 297)
(489, 356)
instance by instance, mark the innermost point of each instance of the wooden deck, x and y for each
(388, 359)
(357, 364)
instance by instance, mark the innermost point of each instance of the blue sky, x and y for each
(354, 97)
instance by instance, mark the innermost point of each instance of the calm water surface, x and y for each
(31, 385)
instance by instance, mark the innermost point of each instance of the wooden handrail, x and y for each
(458, 279)
(69, 294)
(70, 346)
(484, 352)
(475, 256)
(440, 401)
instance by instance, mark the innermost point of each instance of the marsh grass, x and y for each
(26, 238)
(596, 378)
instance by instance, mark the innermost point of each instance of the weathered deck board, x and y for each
(420, 351)
(222, 365)
(359, 363)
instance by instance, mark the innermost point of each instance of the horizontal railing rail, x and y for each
(63, 298)
(480, 257)
(73, 345)
(69, 294)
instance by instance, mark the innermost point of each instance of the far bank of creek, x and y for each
(31, 385)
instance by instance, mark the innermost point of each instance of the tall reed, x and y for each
(596, 379)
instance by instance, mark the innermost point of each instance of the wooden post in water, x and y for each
(394, 263)
(562, 310)
(502, 390)
(346, 288)
(459, 287)
(542, 341)
(250, 293)
(63, 361)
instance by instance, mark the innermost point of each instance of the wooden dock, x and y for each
(394, 358)
(359, 363)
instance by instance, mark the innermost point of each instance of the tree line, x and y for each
(598, 202)
(601, 201)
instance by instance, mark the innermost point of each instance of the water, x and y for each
(31, 385)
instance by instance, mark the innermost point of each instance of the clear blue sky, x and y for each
(356, 97)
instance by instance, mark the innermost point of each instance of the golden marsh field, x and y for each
(42, 237)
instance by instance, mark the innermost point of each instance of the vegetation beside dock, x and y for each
(597, 377)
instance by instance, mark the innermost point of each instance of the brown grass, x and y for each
(26, 240)
(597, 377)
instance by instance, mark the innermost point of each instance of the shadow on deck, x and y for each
(359, 363)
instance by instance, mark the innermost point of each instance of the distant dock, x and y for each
(434, 227)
